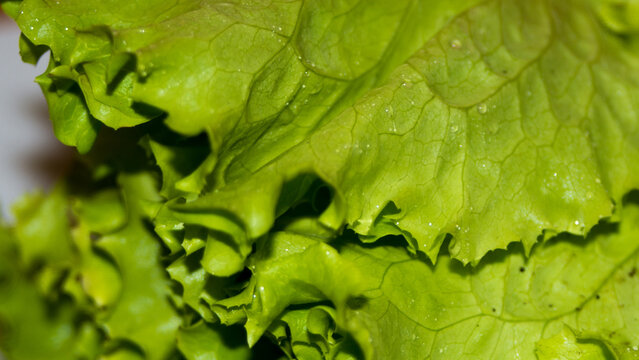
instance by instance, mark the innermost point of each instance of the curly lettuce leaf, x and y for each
(82, 277)
(143, 312)
(496, 123)
(511, 113)
(28, 327)
(492, 136)
(572, 296)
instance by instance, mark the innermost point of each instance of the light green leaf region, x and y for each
(513, 118)
(572, 298)
(142, 312)
(308, 333)
(281, 277)
(504, 306)
(204, 341)
(564, 345)
(517, 117)
(28, 328)
(208, 64)
(80, 275)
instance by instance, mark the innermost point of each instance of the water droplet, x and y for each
(328, 252)
(598, 180)
(457, 227)
(36, 19)
(455, 44)
(461, 146)
(377, 206)
(454, 128)
(430, 224)
(66, 29)
(31, 27)
(303, 86)
(261, 288)
(482, 108)
(554, 174)
(577, 222)
(389, 110)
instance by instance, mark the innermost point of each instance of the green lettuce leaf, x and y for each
(513, 119)
(29, 329)
(142, 312)
(379, 179)
(488, 135)
(89, 284)
(573, 297)
(205, 341)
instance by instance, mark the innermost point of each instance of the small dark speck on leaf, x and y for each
(597, 297)
(632, 272)
(522, 269)
(494, 310)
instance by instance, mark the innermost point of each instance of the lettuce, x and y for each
(313, 180)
